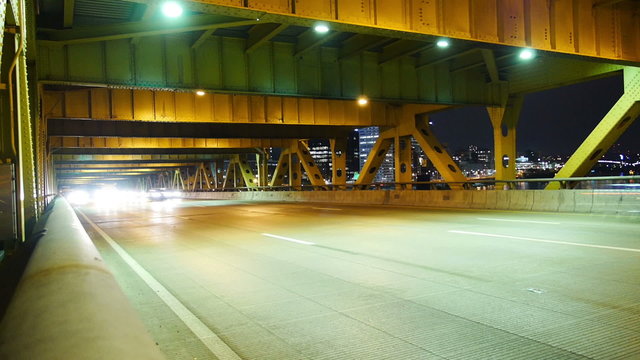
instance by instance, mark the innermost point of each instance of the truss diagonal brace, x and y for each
(374, 160)
(282, 169)
(607, 132)
(443, 162)
(309, 164)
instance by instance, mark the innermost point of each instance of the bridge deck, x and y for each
(297, 281)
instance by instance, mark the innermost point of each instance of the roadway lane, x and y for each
(318, 281)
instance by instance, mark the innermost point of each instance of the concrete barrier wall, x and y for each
(577, 201)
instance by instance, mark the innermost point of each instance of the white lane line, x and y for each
(288, 239)
(521, 221)
(545, 241)
(208, 338)
(329, 209)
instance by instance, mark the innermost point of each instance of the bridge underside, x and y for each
(246, 81)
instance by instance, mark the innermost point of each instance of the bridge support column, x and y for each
(505, 121)
(607, 132)
(402, 160)
(338, 161)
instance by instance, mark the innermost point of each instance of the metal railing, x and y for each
(602, 182)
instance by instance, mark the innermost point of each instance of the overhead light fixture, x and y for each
(200, 92)
(363, 100)
(442, 43)
(321, 28)
(172, 9)
(527, 54)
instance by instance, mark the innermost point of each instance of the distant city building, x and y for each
(367, 138)
(320, 150)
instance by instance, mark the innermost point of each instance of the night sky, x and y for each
(552, 122)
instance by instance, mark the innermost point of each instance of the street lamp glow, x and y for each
(526, 54)
(321, 28)
(442, 43)
(200, 93)
(363, 100)
(171, 9)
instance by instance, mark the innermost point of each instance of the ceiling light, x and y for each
(527, 54)
(321, 28)
(171, 9)
(442, 43)
(363, 100)
(200, 92)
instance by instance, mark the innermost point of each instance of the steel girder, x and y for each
(623, 113)
(187, 107)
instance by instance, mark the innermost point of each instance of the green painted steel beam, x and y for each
(140, 29)
(262, 33)
(69, 6)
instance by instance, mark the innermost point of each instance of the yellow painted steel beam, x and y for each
(202, 178)
(248, 176)
(308, 163)
(505, 121)
(281, 170)
(338, 161)
(374, 160)
(446, 166)
(161, 143)
(172, 106)
(150, 165)
(564, 26)
(402, 161)
(623, 113)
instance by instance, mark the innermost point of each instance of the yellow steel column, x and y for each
(443, 162)
(282, 168)
(309, 165)
(505, 121)
(402, 163)
(338, 161)
(374, 160)
(607, 132)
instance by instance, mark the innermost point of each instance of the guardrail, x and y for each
(68, 304)
(472, 184)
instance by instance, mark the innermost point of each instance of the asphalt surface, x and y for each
(317, 281)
